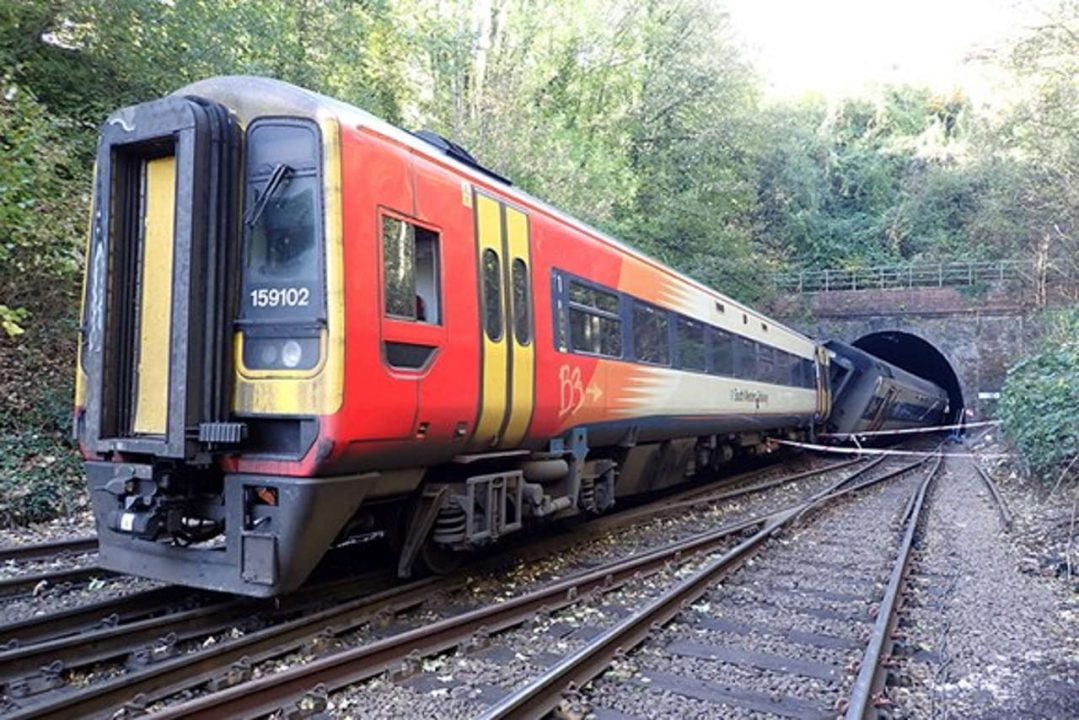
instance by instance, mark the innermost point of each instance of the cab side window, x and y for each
(411, 273)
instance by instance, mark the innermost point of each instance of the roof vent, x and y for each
(458, 153)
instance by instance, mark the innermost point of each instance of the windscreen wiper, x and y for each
(277, 177)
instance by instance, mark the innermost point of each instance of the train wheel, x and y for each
(438, 559)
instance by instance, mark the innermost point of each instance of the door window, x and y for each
(410, 260)
(522, 320)
(492, 295)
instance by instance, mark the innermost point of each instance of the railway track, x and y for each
(548, 691)
(49, 550)
(156, 602)
(53, 580)
(305, 688)
(1003, 512)
(475, 628)
(157, 642)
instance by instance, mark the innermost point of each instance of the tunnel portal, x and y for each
(917, 356)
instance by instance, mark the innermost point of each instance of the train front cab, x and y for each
(170, 391)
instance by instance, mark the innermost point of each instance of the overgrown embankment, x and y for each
(1039, 404)
(44, 193)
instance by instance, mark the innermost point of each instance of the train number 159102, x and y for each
(280, 297)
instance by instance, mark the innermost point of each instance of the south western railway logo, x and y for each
(749, 396)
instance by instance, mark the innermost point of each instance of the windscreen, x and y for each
(283, 223)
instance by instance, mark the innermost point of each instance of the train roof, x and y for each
(251, 96)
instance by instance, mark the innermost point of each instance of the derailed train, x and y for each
(303, 325)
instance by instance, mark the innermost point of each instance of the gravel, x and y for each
(55, 599)
(514, 657)
(994, 630)
(747, 638)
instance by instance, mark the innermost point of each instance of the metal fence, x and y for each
(949, 274)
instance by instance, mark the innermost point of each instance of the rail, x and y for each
(944, 274)
(75, 645)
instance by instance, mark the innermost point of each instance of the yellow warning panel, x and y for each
(519, 328)
(152, 395)
(495, 361)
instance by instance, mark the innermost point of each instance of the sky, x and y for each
(837, 47)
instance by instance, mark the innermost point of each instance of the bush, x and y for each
(44, 190)
(40, 469)
(1040, 399)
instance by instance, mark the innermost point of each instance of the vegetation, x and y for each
(1040, 397)
(642, 117)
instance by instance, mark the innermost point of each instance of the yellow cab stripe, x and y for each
(523, 366)
(495, 356)
(319, 391)
(152, 398)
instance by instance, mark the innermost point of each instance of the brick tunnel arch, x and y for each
(918, 356)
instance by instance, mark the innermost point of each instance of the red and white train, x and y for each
(302, 324)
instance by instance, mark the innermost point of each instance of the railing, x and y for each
(949, 274)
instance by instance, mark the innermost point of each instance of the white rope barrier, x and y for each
(884, 451)
(910, 431)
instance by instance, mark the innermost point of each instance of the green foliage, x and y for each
(40, 470)
(640, 116)
(10, 319)
(1041, 394)
(43, 195)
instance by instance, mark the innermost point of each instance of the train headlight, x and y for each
(291, 354)
(280, 353)
(267, 354)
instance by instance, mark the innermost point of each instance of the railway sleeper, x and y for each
(49, 678)
(237, 673)
(163, 649)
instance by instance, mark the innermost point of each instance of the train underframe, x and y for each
(262, 535)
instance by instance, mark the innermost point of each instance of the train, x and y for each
(872, 395)
(302, 326)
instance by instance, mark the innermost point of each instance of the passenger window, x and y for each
(809, 374)
(492, 295)
(651, 338)
(794, 370)
(594, 323)
(872, 408)
(766, 364)
(522, 303)
(722, 353)
(745, 358)
(411, 271)
(690, 334)
(593, 297)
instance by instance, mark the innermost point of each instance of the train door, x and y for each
(507, 391)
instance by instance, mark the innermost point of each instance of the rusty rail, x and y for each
(268, 694)
(172, 675)
(21, 585)
(1002, 507)
(870, 680)
(543, 694)
(50, 549)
